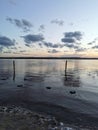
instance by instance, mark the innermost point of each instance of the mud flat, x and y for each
(21, 118)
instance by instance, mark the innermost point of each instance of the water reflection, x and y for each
(5, 74)
(72, 76)
(70, 80)
(50, 73)
(34, 78)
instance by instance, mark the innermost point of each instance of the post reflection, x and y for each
(72, 77)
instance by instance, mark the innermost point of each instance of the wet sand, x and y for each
(78, 113)
(62, 114)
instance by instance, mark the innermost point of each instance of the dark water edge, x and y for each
(75, 58)
(62, 114)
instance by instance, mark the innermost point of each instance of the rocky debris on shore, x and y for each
(18, 118)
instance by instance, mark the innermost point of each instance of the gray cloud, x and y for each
(71, 45)
(94, 41)
(7, 52)
(40, 44)
(22, 51)
(95, 47)
(77, 35)
(90, 43)
(31, 38)
(57, 21)
(25, 25)
(72, 39)
(13, 48)
(81, 49)
(28, 45)
(6, 42)
(53, 51)
(68, 40)
(41, 27)
(1, 49)
(51, 45)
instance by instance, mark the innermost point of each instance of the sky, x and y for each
(62, 28)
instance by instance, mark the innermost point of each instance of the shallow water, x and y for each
(45, 81)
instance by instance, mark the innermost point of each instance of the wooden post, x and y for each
(66, 68)
(13, 70)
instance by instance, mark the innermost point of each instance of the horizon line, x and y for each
(38, 57)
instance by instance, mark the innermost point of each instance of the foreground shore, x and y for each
(19, 118)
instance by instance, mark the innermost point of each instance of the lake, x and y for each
(45, 81)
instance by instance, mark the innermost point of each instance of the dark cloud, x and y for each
(41, 27)
(31, 38)
(22, 51)
(81, 49)
(71, 45)
(95, 47)
(72, 39)
(94, 41)
(6, 42)
(77, 35)
(90, 43)
(28, 45)
(13, 48)
(52, 45)
(57, 21)
(25, 25)
(9, 19)
(68, 40)
(7, 52)
(53, 51)
(40, 44)
(1, 49)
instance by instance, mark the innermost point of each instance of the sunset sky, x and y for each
(49, 28)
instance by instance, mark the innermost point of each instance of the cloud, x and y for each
(81, 49)
(22, 51)
(72, 39)
(13, 2)
(58, 22)
(28, 45)
(95, 47)
(32, 38)
(90, 43)
(53, 51)
(7, 52)
(71, 24)
(94, 41)
(77, 35)
(13, 48)
(68, 40)
(71, 46)
(24, 24)
(51, 45)
(6, 42)
(41, 28)
(1, 49)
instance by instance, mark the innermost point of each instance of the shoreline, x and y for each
(65, 115)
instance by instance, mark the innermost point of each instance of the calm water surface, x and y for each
(45, 80)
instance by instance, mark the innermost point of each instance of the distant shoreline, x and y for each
(74, 58)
